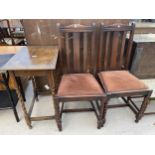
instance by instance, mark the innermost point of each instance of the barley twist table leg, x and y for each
(51, 82)
(26, 116)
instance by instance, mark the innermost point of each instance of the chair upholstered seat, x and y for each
(115, 81)
(74, 85)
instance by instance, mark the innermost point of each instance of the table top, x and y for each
(32, 58)
(9, 49)
(4, 58)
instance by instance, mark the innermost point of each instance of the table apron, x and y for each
(32, 72)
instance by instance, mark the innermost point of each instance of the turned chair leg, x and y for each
(103, 110)
(61, 111)
(143, 107)
(57, 114)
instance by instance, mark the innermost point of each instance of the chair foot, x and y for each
(37, 99)
(30, 127)
(60, 129)
(17, 120)
(137, 120)
(59, 126)
(100, 124)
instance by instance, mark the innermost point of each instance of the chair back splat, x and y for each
(77, 48)
(115, 49)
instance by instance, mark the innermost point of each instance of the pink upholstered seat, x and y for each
(74, 85)
(115, 81)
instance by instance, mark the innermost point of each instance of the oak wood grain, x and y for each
(33, 58)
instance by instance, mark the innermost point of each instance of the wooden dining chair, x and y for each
(78, 62)
(113, 67)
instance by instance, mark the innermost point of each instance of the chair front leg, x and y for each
(57, 114)
(18, 79)
(102, 115)
(143, 106)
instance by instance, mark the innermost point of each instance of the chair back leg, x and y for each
(57, 114)
(143, 106)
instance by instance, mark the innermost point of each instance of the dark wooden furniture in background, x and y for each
(144, 28)
(2, 40)
(9, 35)
(144, 56)
(33, 61)
(5, 32)
(44, 32)
(78, 64)
(112, 59)
(7, 95)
